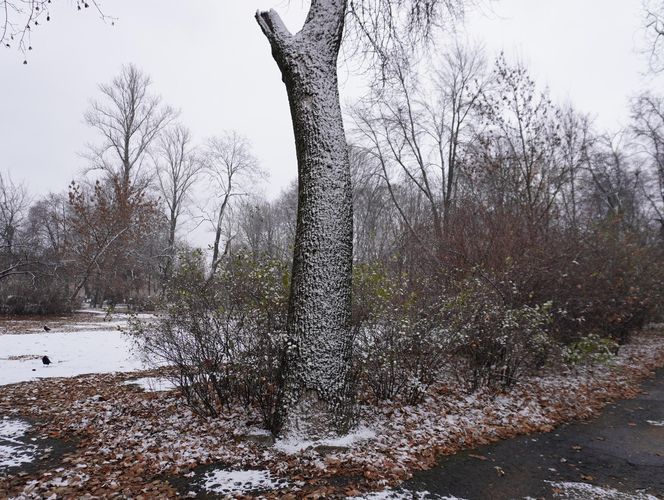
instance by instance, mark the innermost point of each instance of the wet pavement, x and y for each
(622, 449)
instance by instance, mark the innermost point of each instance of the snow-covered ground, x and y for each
(153, 384)
(72, 353)
(12, 451)
(237, 482)
(295, 445)
(585, 491)
(401, 494)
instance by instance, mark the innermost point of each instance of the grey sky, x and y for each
(209, 59)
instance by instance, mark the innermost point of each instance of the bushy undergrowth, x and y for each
(492, 343)
(590, 351)
(488, 326)
(223, 334)
(399, 343)
(37, 294)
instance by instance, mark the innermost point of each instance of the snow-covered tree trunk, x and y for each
(316, 397)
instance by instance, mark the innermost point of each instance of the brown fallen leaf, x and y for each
(478, 457)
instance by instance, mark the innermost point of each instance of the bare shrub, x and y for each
(224, 335)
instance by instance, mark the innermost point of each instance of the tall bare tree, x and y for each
(128, 118)
(577, 141)
(654, 24)
(177, 168)
(14, 203)
(648, 128)
(230, 166)
(519, 145)
(416, 131)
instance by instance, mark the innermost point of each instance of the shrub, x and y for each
(224, 334)
(590, 351)
(493, 344)
(398, 345)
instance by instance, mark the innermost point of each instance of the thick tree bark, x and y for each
(317, 393)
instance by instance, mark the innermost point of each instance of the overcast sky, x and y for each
(209, 59)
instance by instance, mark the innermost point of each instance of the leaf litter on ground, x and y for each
(129, 442)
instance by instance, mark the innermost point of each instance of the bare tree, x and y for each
(230, 166)
(654, 24)
(648, 129)
(612, 185)
(177, 168)
(18, 18)
(128, 118)
(317, 394)
(577, 141)
(14, 203)
(519, 145)
(417, 133)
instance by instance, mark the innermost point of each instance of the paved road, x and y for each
(622, 449)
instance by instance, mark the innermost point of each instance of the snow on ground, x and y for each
(153, 384)
(228, 482)
(585, 491)
(162, 436)
(12, 451)
(294, 445)
(401, 494)
(71, 354)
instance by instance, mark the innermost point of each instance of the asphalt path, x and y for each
(622, 449)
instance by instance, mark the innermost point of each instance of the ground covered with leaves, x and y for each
(119, 440)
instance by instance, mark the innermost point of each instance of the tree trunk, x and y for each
(317, 394)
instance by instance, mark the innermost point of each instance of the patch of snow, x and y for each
(585, 491)
(401, 494)
(71, 354)
(657, 423)
(13, 452)
(229, 482)
(153, 384)
(293, 444)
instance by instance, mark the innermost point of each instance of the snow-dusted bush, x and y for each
(399, 346)
(491, 343)
(223, 334)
